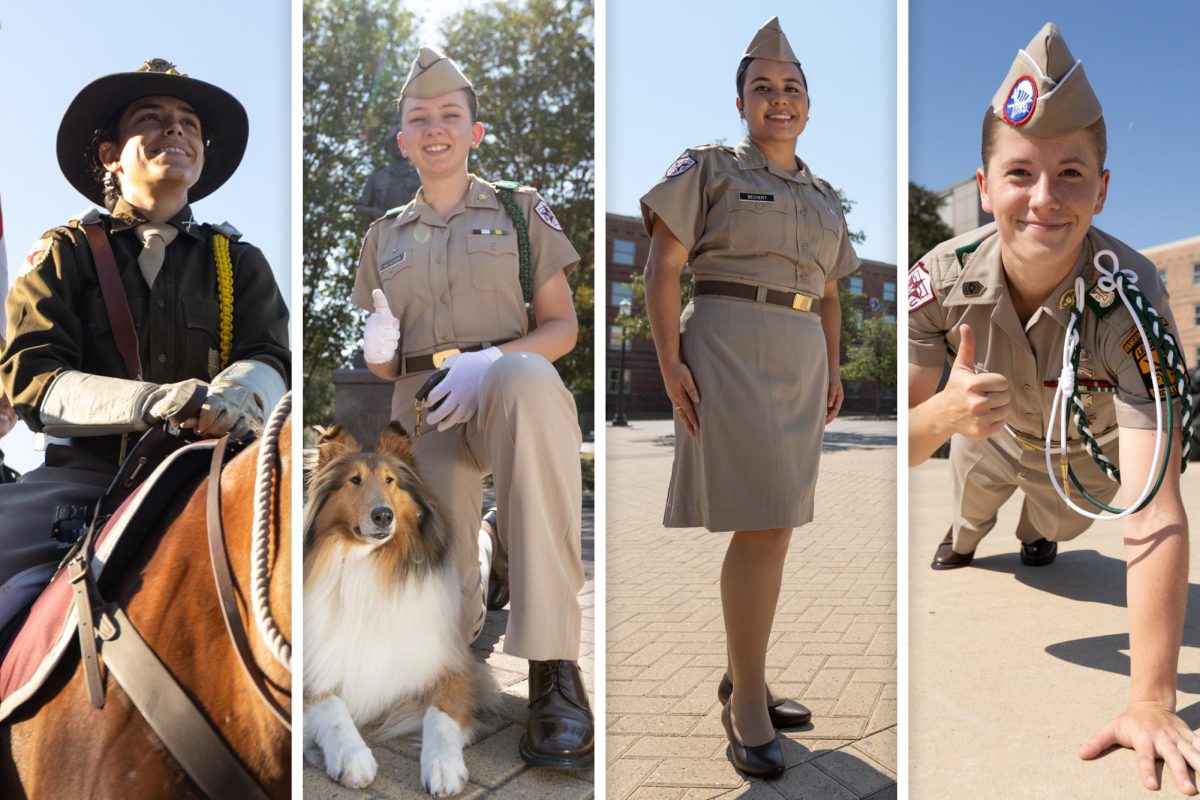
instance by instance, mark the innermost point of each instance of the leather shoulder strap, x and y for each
(115, 303)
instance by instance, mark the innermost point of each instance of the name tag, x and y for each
(393, 261)
(757, 198)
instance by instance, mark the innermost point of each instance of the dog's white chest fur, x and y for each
(374, 644)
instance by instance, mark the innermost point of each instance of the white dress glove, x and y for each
(460, 387)
(381, 337)
(239, 399)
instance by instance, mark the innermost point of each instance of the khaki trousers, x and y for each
(526, 434)
(987, 472)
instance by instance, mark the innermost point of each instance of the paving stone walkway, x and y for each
(833, 645)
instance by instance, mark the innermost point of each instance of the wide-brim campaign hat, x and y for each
(223, 122)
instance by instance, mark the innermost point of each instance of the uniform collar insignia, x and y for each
(973, 289)
(1067, 301)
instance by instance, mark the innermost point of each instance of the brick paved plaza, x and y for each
(833, 646)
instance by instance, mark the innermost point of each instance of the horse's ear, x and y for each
(394, 442)
(335, 441)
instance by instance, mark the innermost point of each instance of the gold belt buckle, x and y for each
(802, 302)
(441, 355)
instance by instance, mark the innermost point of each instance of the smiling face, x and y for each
(774, 101)
(437, 133)
(1043, 193)
(158, 146)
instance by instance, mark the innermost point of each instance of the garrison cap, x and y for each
(434, 75)
(223, 123)
(771, 43)
(1046, 92)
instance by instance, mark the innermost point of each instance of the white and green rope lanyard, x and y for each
(1160, 348)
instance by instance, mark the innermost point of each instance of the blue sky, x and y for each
(670, 86)
(1142, 61)
(49, 51)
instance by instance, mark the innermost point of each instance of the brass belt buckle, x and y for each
(802, 302)
(441, 355)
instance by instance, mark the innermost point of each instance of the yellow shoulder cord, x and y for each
(225, 294)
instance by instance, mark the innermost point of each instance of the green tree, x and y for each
(533, 61)
(354, 54)
(925, 227)
(874, 358)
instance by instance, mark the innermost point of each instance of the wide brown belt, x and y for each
(434, 360)
(761, 294)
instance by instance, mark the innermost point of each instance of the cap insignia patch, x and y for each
(1022, 100)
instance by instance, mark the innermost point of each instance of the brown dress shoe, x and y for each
(1039, 553)
(497, 588)
(559, 732)
(946, 558)
(784, 714)
(760, 760)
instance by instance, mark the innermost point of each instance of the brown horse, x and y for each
(59, 745)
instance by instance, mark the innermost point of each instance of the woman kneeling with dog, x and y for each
(448, 277)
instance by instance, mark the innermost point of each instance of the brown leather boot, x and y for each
(560, 731)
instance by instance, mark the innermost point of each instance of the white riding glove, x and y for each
(381, 336)
(239, 399)
(460, 387)
(169, 400)
(81, 404)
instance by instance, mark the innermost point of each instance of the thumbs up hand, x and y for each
(381, 336)
(976, 403)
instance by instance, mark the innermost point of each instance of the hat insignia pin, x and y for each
(160, 65)
(1022, 100)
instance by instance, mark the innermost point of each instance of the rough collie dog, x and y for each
(384, 653)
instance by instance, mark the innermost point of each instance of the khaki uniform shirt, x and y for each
(57, 319)
(456, 282)
(743, 219)
(963, 280)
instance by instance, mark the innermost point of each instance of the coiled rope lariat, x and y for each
(1161, 349)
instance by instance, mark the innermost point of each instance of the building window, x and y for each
(620, 291)
(890, 318)
(1196, 314)
(614, 336)
(858, 319)
(889, 290)
(624, 252)
(614, 379)
(1195, 275)
(856, 285)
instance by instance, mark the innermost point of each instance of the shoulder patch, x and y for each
(1133, 347)
(961, 253)
(920, 287)
(543, 211)
(36, 255)
(681, 165)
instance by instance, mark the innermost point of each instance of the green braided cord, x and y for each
(504, 190)
(1168, 356)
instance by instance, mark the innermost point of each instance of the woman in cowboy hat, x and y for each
(752, 365)
(117, 319)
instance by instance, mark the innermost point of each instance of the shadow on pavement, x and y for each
(1090, 577)
(839, 441)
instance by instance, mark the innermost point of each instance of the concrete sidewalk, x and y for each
(1013, 668)
(497, 770)
(833, 647)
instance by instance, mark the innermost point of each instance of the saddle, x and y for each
(136, 499)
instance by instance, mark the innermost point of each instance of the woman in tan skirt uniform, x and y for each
(751, 366)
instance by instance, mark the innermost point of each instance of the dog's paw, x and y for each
(355, 768)
(443, 773)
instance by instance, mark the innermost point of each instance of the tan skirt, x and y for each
(763, 379)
